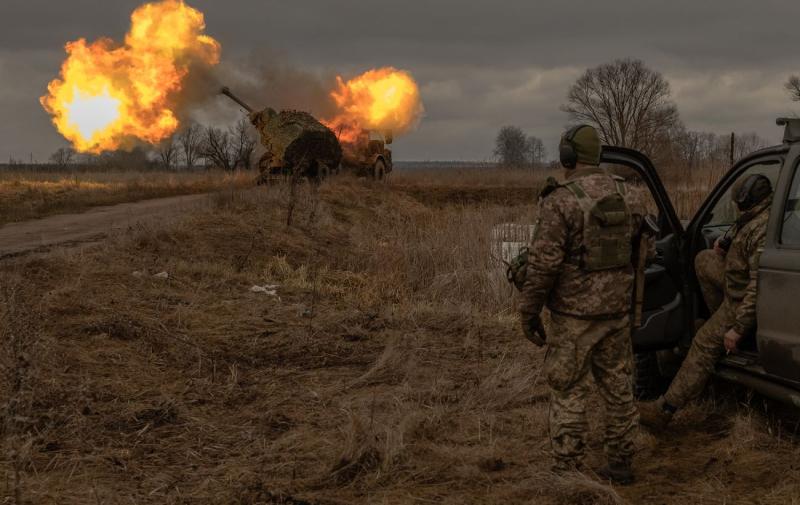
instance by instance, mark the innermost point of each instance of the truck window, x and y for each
(790, 233)
(725, 212)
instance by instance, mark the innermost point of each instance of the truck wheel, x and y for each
(323, 172)
(648, 383)
(379, 171)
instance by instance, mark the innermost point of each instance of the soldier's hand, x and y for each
(732, 338)
(533, 329)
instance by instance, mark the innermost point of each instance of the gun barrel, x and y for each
(227, 92)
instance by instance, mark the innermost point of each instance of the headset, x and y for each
(566, 149)
(753, 191)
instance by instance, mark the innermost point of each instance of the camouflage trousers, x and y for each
(708, 344)
(579, 351)
(710, 269)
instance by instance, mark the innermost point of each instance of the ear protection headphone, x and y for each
(752, 192)
(566, 148)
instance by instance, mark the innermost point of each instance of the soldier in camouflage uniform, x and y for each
(734, 264)
(589, 296)
(709, 266)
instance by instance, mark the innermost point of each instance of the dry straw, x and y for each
(388, 368)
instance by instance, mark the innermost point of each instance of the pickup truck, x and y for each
(768, 360)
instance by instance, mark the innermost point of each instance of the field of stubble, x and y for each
(29, 194)
(379, 361)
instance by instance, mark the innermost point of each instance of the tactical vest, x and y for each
(606, 228)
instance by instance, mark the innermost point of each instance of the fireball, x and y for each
(381, 99)
(111, 95)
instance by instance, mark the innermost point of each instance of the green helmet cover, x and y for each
(586, 144)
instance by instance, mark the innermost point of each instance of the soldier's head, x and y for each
(749, 191)
(580, 145)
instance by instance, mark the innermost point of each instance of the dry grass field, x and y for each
(29, 195)
(379, 362)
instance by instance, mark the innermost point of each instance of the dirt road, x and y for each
(26, 236)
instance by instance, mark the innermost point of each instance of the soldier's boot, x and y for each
(655, 415)
(618, 472)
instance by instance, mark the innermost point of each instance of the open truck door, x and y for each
(672, 299)
(665, 320)
(768, 360)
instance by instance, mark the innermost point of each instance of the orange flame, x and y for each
(109, 95)
(381, 99)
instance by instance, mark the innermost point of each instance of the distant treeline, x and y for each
(193, 147)
(421, 165)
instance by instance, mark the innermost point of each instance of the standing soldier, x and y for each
(728, 278)
(580, 266)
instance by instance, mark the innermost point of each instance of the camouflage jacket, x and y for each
(554, 276)
(741, 265)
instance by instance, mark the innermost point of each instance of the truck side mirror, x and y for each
(388, 137)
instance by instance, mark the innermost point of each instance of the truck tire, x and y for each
(648, 382)
(379, 171)
(323, 172)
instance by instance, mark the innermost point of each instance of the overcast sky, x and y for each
(480, 65)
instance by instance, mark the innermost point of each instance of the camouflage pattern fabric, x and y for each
(555, 277)
(579, 351)
(707, 348)
(589, 337)
(279, 130)
(737, 311)
(709, 266)
(741, 265)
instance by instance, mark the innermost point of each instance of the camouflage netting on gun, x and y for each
(293, 138)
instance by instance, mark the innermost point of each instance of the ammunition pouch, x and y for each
(517, 270)
(607, 230)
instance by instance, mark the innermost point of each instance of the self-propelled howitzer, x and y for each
(296, 142)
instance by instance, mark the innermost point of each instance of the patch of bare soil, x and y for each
(41, 234)
(386, 368)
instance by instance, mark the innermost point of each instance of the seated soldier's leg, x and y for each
(707, 348)
(710, 269)
(566, 369)
(612, 367)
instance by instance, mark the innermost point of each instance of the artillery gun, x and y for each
(296, 143)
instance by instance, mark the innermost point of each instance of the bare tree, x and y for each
(168, 153)
(63, 156)
(744, 144)
(691, 148)
(628, 103)
(694, 149)
(245, 144)
(229, 149)
(536, 151)
(793, 87)
(511, 147)
(190, 141)
(217, 147)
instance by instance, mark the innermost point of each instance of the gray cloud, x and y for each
(480, 64)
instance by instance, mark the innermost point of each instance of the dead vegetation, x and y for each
(30, 195)
(387, 368)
